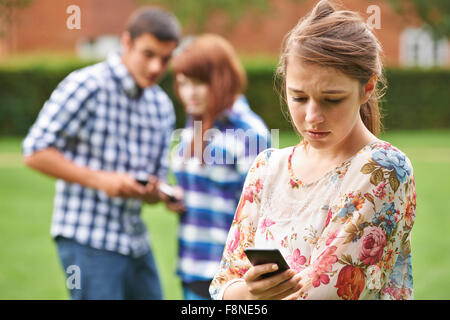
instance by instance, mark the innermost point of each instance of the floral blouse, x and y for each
(348, 233)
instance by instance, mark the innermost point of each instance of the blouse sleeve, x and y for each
(364, 249)
(234, 262)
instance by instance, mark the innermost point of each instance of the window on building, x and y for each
(99, 47)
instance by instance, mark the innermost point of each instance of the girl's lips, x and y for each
(317, 134)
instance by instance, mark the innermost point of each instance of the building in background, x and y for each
(43, 27)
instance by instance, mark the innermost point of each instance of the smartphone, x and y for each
(263, 256)
(168, 191)
(142, 182)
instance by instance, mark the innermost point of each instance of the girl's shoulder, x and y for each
(383, 154)
(380, 162)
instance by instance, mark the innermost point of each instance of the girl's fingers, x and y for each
(255, 272)
(284, 295)
(286, 288)
(294, 296)
(266, 288)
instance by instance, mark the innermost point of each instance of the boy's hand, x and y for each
(119, 185)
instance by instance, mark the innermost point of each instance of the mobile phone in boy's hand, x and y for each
(168, 191)
(263, 256)
(142, 182)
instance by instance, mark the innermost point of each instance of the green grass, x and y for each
(30, 269)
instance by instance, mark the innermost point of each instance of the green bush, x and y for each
(23, 92)
(415, 98)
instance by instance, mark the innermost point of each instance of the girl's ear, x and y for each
(369, 88)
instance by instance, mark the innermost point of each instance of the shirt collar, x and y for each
(232, 115)
(240, 106)
(120, 71)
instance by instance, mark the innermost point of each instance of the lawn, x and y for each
(30, 269)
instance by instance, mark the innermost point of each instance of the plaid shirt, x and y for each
(98, 117)
(212, 191)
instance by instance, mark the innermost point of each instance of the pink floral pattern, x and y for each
(296, 260)
(265, 224)
(322, 266)
(350, 245)
(373, 244)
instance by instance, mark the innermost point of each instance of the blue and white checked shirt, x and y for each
(98, 117)
(212, 190)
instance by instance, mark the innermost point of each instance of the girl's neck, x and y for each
(359, 137)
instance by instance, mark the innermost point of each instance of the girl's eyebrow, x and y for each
(295, 90)
(334, 91)
(330, 91)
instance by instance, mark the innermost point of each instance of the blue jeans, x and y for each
(106, 275)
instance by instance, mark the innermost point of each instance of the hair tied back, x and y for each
(322, 9)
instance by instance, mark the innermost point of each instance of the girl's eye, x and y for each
(334, 101)
(299, 99)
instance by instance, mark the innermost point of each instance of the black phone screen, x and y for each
(142, 182)
(263, 256)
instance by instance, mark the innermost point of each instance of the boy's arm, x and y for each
(52, 162)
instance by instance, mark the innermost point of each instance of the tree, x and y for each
(6, 8)
(196, 13)
(434, 13)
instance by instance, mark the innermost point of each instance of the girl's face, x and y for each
(194, 94)
(323, 103)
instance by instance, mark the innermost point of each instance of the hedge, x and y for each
(415, 98)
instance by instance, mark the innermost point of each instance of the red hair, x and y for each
(211, 59)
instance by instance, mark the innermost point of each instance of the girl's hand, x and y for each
(275, 287)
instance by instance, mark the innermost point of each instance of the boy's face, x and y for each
(146, 57)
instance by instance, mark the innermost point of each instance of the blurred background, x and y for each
(41, 41)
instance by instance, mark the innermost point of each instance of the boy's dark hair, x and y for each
(162, 24)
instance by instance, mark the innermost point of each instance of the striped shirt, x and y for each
(98, 118)
(212, 190)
